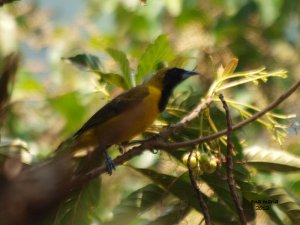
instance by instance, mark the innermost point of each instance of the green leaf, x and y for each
(28, 83)
(136, 203)
(272, 160)
(286, 203)
(112, 78)
(159, 51)
(87, 61)
(173, 215)
(220, 188)
(231, 7)
(269, 10)
(123, 62)
(246, 189)
(249, 210)
(275, 217)
(79, 208)
(70, 107)
(182, 189)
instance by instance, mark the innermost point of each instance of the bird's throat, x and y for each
(165, 95)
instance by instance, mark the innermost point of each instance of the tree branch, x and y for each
(279, 100)
(7, 77)
(185, 120)
(229, 164)
(160, 144)
(199, 195)
(3, 2)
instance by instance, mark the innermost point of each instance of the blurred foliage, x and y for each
(115, 45)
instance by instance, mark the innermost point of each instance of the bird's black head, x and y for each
(172, 77)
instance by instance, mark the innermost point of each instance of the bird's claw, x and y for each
(109, 164)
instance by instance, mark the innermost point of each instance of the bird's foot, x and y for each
(109, 164)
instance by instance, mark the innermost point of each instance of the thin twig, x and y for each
(147, 144)
(3, 2)
(7, 77)
(185, 120)
(280, 99)
(119, 160)
(197, 190)
(160, 144)
(229, 164)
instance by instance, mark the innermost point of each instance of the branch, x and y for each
(146, 144)
(279, 100)
(119, 160)
(229, 164)
(3, 2)
(199, 195)
(185, 120)
(160, 144)
(7, 77)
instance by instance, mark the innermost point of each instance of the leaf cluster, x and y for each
(173, 190)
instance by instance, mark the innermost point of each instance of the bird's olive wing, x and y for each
(117, 106)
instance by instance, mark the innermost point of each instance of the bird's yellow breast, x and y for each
(126, 125)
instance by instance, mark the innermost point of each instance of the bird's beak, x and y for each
(187, 74)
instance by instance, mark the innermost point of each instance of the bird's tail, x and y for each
(87, 159)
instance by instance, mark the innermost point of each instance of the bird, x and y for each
(129, 114)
